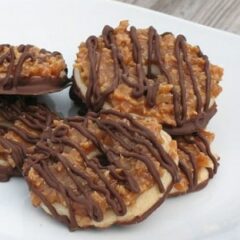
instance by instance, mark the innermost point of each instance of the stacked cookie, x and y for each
(144, 100)
(140, 72)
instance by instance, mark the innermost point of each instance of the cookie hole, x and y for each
(103, 160)
(82, 109)
(145, 93)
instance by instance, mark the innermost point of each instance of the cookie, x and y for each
(197, 163)
(28, 70)
(142, 72)
(102, 169)
(19, 138)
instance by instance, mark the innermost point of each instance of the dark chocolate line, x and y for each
(199, 104)
(185, 170)
(17, 151)
(208, 151)
(208, 80)
(138, 91)
(178, 49)
(192, 172)
(154, 48)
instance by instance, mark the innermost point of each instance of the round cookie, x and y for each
(197, 164)
(99, 170)
(142, 72)
(28, 70)
(18, 138)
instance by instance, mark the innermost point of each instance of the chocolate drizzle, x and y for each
(208, 80)
(94, 98)
(191, 174)
(201, 143)
(204, 147)
(130, 137)
(147, 84)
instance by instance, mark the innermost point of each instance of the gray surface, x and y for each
(222, 14)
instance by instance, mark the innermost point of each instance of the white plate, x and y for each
(213, 213)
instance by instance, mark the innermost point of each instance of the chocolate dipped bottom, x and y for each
(142, 72)
(102, 169)
(28, 70)
(20, 132)
(197, 163)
